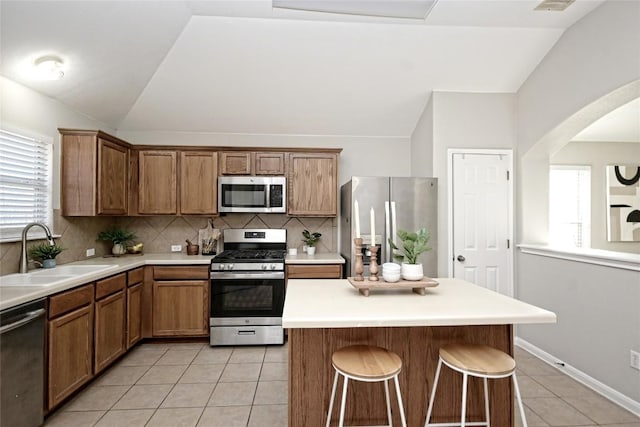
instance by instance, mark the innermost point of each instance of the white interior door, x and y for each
(481, 204)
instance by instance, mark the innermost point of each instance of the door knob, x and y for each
(461, 258)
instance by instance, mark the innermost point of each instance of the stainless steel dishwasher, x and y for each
(22, 331)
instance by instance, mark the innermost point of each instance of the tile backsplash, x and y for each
(158, 233)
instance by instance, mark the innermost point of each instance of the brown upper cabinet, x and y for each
(95, 173)
(103, 175)
(252, 163)
(198, 176)
(269, 163)
(161, 173)
(157, 182)
(235, 163)
(313, 184)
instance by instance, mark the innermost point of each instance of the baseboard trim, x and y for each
(584, 379)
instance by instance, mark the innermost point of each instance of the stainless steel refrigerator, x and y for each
(399, 204)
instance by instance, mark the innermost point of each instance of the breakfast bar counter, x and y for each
(325, 315)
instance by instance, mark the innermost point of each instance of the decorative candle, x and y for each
(373, 227)
(356, 217)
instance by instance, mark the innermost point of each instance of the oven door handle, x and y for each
(257, 275)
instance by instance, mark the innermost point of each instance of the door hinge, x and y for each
(507, 175)
(508, 243)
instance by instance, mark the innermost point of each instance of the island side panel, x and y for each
(311, 375)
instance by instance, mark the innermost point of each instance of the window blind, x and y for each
(570, 206)
(25, 183)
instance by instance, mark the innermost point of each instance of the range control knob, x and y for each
(264, 266)
(230, 267)
(273, 266)
(220, 266)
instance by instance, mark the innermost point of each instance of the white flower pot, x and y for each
(311, 250)
(118, 249)
(412, 271)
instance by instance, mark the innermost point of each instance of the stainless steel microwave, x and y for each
(259, 194)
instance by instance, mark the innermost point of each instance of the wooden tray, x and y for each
(418, 286)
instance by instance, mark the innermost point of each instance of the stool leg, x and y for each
(486, 402)
(515, 385)
(404, 421)
(433, 393)
(333, 395)
(386, 394)
(344, 400)
(463, 418)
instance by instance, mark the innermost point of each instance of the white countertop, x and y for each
(337, 304)
(11, 296)
(322, 258)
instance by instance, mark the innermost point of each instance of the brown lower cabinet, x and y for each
(109, 329)
(135, 288)
(70, 338)
(314, 271)
(180, 301)
(134, 315)
(92, 325)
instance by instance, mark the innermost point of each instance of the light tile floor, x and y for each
(196, 385)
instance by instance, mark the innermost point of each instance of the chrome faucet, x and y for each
(23, 254)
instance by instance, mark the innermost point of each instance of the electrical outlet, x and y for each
(176, 248)
(91, 252)
(634, 359)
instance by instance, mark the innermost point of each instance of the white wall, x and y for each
(366, 156)
(466, 120)
(422, 143)
(596, 59)
(593, 69)
(599, 155)
(598, 317)
(26, 110)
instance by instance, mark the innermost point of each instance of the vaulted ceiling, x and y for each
(241, 66)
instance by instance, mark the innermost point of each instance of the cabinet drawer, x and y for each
(181, 273)
(321, 271)
(70, 300)
(135, 276)
(111, 285)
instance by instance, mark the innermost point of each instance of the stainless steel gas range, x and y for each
(247, 288)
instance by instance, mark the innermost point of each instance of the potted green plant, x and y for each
(119, 237)
(311, 240)
(413, 245)
(46, 254)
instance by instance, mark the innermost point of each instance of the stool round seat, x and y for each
(370, 364)
(480, 361)
(477, 359)
(367, 362)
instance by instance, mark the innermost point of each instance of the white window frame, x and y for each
(588, 169)
(13, 234)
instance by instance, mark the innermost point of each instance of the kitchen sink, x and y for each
(32, 279)
(73, 270)
(53, 276)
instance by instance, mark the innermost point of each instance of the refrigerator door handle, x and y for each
(387, 234)
(394, 224)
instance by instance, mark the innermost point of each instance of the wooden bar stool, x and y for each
(477, 361)
(369, 364)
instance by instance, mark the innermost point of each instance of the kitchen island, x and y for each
(325, 315)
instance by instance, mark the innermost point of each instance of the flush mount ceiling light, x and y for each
(554, 5)
(412, 9)
(49, 68)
